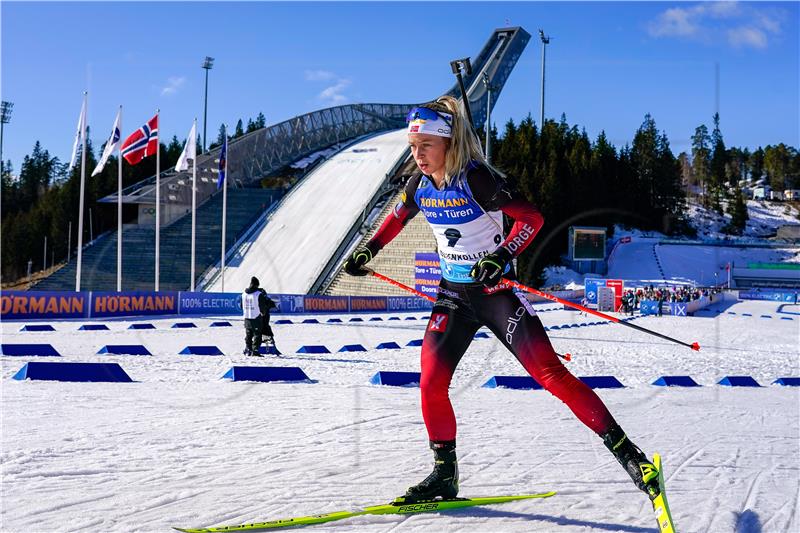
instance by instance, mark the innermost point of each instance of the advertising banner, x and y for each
(776, 296)
(427, 273)
(202, 303)
(30, 304)
(107, 304)
(407, 303)
(368, 303)
(325, 304)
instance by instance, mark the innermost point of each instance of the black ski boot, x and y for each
(442, 482)
(633, 460)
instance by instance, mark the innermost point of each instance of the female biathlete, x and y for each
(464, 200)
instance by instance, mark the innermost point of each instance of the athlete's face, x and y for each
(429, 152)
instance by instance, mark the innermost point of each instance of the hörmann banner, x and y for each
(108, 304)
(36, 304)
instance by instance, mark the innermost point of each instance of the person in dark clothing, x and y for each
(255, 308)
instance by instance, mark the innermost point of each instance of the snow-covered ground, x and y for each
(764, 219)
(182, 447)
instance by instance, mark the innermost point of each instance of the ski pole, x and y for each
(694, 346)
(398, 284)
(565, 357)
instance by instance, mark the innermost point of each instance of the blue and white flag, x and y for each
(111, 145)
(223, 161)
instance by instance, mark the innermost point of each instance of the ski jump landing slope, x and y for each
(290, 251)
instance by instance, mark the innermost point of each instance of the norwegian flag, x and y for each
(141, 143)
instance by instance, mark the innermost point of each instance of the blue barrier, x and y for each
(396, 379)
(786, 318)
(388, 346)
(766, 316)
(201, 350)
(310, 321)
(82, 372)
(141, 326)
(313, 349)
(411, 318)
(356, 319)
(555, 327)
(481, 335)
(675, 381)
(272, 350)
(415, 342)
(334, 320)
(183, 325)
(124, 349)
(376, 319)
(352, 348)
(738, 381)
(746, 314)
(93, 327)
(394, 318)
(788, 382)
(284, 321)
(38, 350)
(37, 327)
(512, 382)
(602, 382)
(221, 324)
(265, 374)
(731, 313)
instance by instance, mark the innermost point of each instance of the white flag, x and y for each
(189, 150)
(111, 145)
(78, 135)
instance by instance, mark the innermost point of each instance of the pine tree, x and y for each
(239, 129)
(737, 208)
(701, 156)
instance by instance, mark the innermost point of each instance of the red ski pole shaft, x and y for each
(694, 346)
(398, 284)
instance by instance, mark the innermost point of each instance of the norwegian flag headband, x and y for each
(426, 120)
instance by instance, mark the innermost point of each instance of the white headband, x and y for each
(425, 120)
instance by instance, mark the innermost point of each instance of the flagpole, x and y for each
(194, 199)
(158, 194)
(224, 207)
(83, 187)
(119, 205)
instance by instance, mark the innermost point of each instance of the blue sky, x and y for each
(607, 65)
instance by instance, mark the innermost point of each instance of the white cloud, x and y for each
(747, 36)
(675, 21)
(319, 75)
(333, 94)
(173, 84)
(740, 25)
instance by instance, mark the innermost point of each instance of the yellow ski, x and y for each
(390, 508)
(660, 505)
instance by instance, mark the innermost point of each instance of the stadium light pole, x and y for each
(545, 41)
(208, 64)
(5, 118)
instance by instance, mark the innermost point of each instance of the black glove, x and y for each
(489, 269)
(357, 260)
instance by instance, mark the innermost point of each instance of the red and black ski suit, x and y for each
(462, 308)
